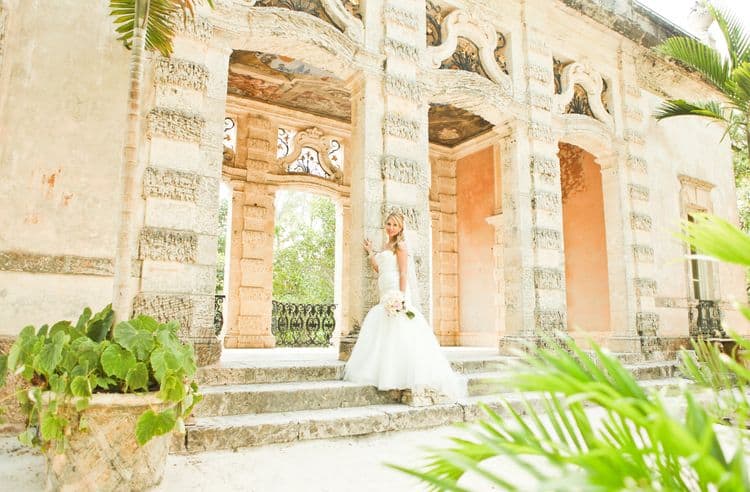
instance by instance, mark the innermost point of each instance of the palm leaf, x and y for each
(716, 237)
(156, 16)
(680, 107)
(735, 36)
(700, 57)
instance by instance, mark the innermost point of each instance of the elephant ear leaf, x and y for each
(100, 325)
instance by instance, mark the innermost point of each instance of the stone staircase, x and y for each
(269, 401)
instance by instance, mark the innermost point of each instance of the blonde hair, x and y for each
(398, 217)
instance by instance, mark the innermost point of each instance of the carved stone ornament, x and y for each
(402, 170)
(171, 184)
(344, 15)
(398, 126)
(461, 29)
(313, 138)
(182, 73)
(578, 77)
(168, 245)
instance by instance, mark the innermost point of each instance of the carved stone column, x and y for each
(534, 266)
(446, 300)
(635, 187)
(181, 187)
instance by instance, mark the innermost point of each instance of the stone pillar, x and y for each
(634, 186)
(534, 266)
(389, 138)
(255, 290)
(446, 236)
(234, 280)
(177, 244)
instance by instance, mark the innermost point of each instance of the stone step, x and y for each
(239, 431)
(313, 395)
(298, 371)
(288, 397)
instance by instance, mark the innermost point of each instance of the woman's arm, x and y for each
(402, 259)
(370, 254)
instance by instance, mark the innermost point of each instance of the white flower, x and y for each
(394, 304)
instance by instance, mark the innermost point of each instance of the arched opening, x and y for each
(291, 186)
(585, 243)
(306, 289)
(465, 199)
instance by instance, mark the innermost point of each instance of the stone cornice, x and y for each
(686, 180)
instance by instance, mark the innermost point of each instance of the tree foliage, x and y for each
(221, 249)
(304, 249)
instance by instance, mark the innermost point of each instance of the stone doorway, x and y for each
(466, 210)
(292, 122)
(585, 244)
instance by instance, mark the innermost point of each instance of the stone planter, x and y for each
(107, 456)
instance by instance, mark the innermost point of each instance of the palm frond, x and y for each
(739, 86)
(735, 36)
(706, 60)
(157, 17)
(716, 237)
(680, 107)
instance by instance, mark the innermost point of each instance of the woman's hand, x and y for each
(368, 246)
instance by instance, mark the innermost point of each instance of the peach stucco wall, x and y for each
(587, 284)
(474, 203)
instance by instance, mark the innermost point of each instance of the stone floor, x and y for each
(329, 465)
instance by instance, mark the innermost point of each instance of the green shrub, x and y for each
(67, 363)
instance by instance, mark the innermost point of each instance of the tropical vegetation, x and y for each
(586, 424)
(66, 364)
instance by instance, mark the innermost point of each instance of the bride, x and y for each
(396, 348)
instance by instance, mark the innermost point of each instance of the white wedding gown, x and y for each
(395, 352)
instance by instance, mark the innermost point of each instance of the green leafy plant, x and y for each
(66, 364)
(588, 425)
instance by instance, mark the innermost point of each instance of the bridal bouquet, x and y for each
(395, 304)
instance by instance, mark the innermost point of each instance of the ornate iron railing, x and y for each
(705, 320)
(218, 313)
(302, 325)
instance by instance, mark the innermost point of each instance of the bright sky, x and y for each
(678, 10)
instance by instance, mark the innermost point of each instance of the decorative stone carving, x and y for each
(547, 238)
(547, 167)
(690, 181)
(396, 125)
(17, 261)
(197, 27)
(640, 222)
(632, 90)
(540, 100)
(643, 254)
(412, 216)
(550, 321)
(538, 73)
(175, 124)
(647, 323)
(579, 81)
(394, 47)
(470, 44)
(637, 163)
(166, 308)
(401, 17)
(313, 138)
(544, 200)
(633, 113)
(402, 170)
(541, 132)
(634, 137)
(168, 245)
(548, 278)
(638, 192)
(645, 287)
(407, 89)
(477, 94)
(169, 183)
(182, 73)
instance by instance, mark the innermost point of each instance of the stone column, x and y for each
(178, 241)
(634, 186)
(255, 289)
(389, 139)
(446, 301)
(234, 280)
(534, 266)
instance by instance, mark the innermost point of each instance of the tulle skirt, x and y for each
(401, 353)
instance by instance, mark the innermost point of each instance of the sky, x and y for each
(678, 10)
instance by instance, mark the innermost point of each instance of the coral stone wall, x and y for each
(586, 274)
(62, 117)
(475, 201)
